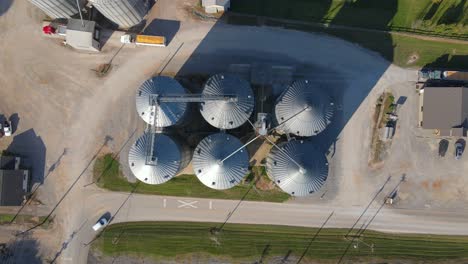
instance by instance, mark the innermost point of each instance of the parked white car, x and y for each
(7, 128)
(100, 224)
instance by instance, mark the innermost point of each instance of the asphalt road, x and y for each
(138, 207)
(161, 208)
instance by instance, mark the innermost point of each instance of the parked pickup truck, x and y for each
(145, 40)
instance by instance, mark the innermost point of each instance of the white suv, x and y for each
(7, 128)
(100, 224)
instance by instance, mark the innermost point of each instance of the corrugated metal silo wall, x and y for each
(125, 13)
(185, 151)
(58, 8)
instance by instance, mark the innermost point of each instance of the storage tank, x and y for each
(299, 169)
(167, 113)
(156, 158)
(227, 114)
(58, 8)
(208, 162)
(303, 109)
(125, 13)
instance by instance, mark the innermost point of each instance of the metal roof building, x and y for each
(209, 166)
(444, 107)
(168, 113)
(157, 158)
(303, 178)
(125, 13)
(303, 109)
(58, 8)
(14, 182)
(227, 114)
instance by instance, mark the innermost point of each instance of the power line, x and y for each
(235, 208)
(70, 188)
(367, 207)
(33, 192)
(313, 238)
(362, 230)
(115, 214)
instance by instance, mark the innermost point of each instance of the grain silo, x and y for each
(303, 109)
(156, 158)
(227, 114)
(216, 162)
(125, 13)
(163, 113)
(58, 8)
(298, 168)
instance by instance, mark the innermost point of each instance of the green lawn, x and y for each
(109, 176)
(175, 240)
(447, 16)
(398, 49)
(7, 218)
(392, 46)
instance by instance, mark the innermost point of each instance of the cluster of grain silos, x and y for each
(124, 13)
(220, 161)
(157, 157)
(303, 109)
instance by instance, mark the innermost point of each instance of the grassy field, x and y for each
(394, 47)
(109, 176)
(445, 17)
(161, 240)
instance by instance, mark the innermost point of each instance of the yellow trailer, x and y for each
(145, 40)
(150, 40)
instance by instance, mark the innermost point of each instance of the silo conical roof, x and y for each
(207, 163)
(314, 106)
(163, 163)
(168, 113)
(224, 114)
(296, 180)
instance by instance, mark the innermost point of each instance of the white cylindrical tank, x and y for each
(303, 109)
(157, 158)
(297, 167)
(167, 113)
(213, 164)
(125, 13)
(223, 114)
(58, 8)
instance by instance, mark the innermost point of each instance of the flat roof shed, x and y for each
(82, 35)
